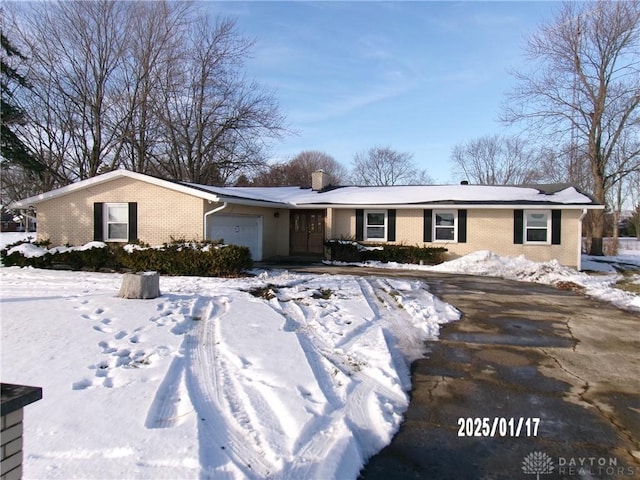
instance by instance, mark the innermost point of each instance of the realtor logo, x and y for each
(537, 463)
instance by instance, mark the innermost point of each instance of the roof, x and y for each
(106, 177)
(566, 196)
(472, 196)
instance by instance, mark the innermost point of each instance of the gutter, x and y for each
(211, 212)
(452, 205)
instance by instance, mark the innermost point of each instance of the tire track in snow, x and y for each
(232, 416)
(198, 382)
(350, 414)
(220, 436)
(171, 404)
(369, 296)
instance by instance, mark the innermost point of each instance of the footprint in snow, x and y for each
(102, 329)
(82, 384)
(107, 347)
(120, 335)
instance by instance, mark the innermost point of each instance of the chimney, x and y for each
(319, 180)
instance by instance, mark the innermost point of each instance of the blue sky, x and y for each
(419, 77)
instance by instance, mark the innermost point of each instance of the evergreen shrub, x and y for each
(177, 257)
(348, 250)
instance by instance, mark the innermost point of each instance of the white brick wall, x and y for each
(487, 229)
(162, 213)
(11, 440)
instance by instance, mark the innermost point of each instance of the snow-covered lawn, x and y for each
(278, 375)
(209, 380)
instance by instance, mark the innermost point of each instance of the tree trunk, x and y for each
(600, 195)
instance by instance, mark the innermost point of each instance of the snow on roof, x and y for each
(351, 196)
(406, 195)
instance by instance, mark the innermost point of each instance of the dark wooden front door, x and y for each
(307, 232)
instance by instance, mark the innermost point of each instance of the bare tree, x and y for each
(298, 170)
(156, 87)
(585, 88)
(75, 49)
(496, 160)
(634, 201)
(621, 194)
(214, 119)
(156, 32)
(565, 163)
(384, 166)
(305, 163)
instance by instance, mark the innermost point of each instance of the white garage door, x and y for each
(244, 230)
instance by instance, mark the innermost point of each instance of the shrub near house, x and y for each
(345, 250)
(173, 258)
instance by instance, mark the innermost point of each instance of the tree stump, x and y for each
(143, 285)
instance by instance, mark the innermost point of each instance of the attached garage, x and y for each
(243, 230)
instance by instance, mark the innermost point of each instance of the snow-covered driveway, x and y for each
(280, 375)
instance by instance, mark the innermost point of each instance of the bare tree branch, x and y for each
(585, 87)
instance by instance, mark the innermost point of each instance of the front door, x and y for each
(307, 232)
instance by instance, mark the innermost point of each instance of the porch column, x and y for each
(328, 227)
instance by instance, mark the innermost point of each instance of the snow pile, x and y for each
(549, 273)
(487, 263)
(29, 250)
(276, 376)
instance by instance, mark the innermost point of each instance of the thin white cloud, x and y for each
(340, 103)
(374, 47)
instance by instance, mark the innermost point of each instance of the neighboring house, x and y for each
(541, 222)
(9, 224)
(14, 223)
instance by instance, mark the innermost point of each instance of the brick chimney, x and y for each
(319, 180)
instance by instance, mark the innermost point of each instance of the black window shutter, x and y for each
(428, 226)
(518, 226)
(133, 222)
(98, 224)
(462, 226)
(359, 224)
(556, 226)
(391, 225)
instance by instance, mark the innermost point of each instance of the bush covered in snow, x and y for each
(188, 258)
(178, 257)
(347, 250)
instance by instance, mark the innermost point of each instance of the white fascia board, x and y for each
(454, 206)
(82, 184)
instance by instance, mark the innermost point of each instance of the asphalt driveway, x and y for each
(532, 382)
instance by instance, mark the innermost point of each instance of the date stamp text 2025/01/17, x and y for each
(498, 426)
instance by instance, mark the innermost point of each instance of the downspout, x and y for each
(204, 221)
(584, 214)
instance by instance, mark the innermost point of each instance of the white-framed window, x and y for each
(375, 225)
(537, 226)
(116, 222)
(445, 225)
